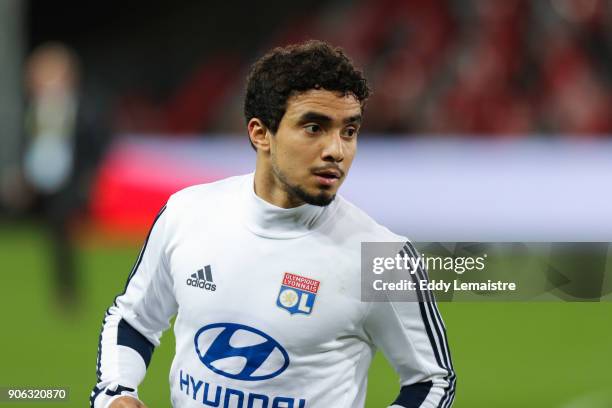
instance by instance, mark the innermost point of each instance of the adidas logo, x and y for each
(202, 279)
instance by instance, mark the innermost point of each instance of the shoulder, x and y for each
(204, 202)
(359, 224)
(202, 195)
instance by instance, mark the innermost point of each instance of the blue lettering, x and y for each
(184, 381)
(232, 398)
(263, 398)
(228, 394)
(287, 402)
(217, 400)
(196, 387)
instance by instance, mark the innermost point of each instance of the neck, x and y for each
(269, 188)
(267, 219)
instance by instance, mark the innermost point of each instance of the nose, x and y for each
(333, 149)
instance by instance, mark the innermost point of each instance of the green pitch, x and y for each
(505, 354)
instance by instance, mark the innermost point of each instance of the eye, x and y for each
(350, 132)
(312, 128)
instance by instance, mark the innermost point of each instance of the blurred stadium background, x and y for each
(490, 120)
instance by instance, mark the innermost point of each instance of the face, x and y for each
(312, 151)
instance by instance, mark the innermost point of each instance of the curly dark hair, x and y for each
(285, 71)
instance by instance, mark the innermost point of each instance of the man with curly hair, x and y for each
(263, 270)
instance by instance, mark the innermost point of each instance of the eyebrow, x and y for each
(322, 118)
(353, 119)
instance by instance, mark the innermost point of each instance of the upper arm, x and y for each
(148, 300)
(412, 336)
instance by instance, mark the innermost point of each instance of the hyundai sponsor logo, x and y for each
(213, 395)
(240, 352)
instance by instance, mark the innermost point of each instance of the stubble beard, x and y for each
(296, 192)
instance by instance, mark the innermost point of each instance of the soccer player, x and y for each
(263, 270)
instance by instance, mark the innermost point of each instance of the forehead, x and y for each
(333, 104)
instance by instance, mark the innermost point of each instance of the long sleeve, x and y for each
(412, 336)
(135, 321)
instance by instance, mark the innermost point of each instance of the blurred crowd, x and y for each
(492, 68)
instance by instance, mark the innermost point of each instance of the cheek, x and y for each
(290, 161)
(349, 153)
(300, 154)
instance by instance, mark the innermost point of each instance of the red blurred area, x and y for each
(132, 186)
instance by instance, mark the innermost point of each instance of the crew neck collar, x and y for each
(270, 221)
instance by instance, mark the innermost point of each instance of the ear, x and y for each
(259, 134)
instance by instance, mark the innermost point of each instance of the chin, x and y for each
(318, 197)
(322, 199)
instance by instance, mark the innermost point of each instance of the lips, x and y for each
(328, 177)
(328, 173)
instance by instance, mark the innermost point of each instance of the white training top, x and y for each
(268, 309)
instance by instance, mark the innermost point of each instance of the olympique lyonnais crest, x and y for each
(297, 294)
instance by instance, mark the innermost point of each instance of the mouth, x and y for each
(328, 177)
